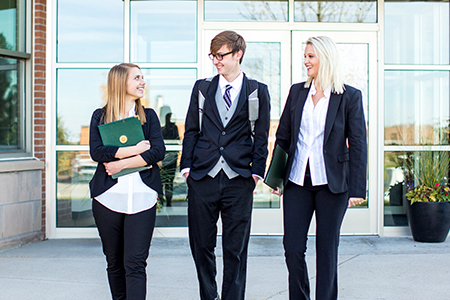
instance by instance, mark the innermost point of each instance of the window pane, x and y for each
(74, 108)
(336, 11)
(394, 189)
(11, 105)
(246, 10)
(74, 170)
(90, 31)
(164, 31)
(416, 108)
(8, 25)
(168, 92)
(417, 32)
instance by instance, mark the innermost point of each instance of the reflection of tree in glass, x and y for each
(328, 11)
(62, 136)
(264, 10)
(9, 106)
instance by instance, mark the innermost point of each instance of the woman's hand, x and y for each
(142, 146)
(278, 192)
(113, 167)
(355, 201)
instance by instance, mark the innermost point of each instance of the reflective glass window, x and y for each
(90, 31)
(417, 32)
(79, 93)
(416, 108)
(12, 25)
(169, 92)
(336, 11)
(164, 31)
(74, 170)
(233, 10)
(12, 109)
(394, 189)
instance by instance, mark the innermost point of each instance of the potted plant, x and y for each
(428, 194)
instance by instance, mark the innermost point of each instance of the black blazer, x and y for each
(100, 153)
(345, 166)
(201, 151)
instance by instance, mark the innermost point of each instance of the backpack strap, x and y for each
(253, 104)
(202, 92)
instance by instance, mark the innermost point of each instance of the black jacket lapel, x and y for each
(333, 106)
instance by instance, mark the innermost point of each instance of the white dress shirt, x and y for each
(310, 140)
(130, 195)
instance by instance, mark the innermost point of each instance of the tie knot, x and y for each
(228, 87)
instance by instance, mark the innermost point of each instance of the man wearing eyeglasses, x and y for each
(223, 159)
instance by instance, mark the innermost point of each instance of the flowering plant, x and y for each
(424, 193)
(429, 170)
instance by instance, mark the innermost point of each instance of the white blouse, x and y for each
(310, 140)
(130, 195)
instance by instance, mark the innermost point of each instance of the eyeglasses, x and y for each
(218, 56)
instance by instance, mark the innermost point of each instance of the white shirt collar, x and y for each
(236, 83)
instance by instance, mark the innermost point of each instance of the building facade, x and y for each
(55, 56)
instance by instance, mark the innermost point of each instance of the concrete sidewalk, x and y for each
(369, 268)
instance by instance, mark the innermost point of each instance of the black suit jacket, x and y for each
(100, 153)
(202, 150)
(345, 165)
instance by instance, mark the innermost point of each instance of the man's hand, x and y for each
(355, 201)
(256, 179)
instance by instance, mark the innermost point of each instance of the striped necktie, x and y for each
(227, 96)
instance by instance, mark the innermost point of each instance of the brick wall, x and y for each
(39, 48)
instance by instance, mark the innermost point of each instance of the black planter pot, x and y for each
(429, 221)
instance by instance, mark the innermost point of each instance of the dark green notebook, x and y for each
(275, 175)
(123, 133)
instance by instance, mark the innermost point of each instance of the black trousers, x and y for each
(233, 200)
(126, 243)
(300, 202)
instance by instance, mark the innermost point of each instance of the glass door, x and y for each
(358, 53)
(266, 59)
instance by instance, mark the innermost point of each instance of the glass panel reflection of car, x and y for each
(83, 167)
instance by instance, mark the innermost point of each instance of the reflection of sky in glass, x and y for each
(8, 27)
(90, 31)
(331, 11)
(163, 31)
(169, 89)
(246, 10)
(79, 93)
(417, 32)
(417, 98)
(262, 62)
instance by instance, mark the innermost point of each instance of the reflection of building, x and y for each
(408, 135)
(59, 74)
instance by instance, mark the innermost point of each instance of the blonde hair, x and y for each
(116, 93)
(330, 72)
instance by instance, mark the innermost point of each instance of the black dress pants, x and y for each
(233, 200)
(300, 202)
(126, 243)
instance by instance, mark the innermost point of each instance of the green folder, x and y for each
(275, 175)
(123, 133)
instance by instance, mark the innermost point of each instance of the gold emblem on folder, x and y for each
(123, 139)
